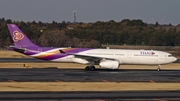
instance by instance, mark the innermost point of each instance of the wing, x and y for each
(86, 57)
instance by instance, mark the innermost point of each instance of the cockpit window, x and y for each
(170, 56)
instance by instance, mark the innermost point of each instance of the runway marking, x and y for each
(109, 72)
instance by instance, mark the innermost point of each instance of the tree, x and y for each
(93, 44)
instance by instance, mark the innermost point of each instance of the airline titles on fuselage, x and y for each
(147, 53)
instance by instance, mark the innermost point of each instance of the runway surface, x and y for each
(54, 74)
(92, 96)
(80, 75)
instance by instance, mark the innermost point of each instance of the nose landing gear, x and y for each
(159, 68)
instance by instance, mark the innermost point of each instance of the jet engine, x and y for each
(110, 64)
(79, 60)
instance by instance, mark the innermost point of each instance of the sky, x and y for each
(149, 11)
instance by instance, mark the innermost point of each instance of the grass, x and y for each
(87, 86)
(11, 54)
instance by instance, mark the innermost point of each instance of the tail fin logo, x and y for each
(17, 36)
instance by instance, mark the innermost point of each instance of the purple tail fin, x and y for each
(19, 38)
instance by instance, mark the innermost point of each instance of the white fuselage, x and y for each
(141, 57)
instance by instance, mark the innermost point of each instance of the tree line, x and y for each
(93, 35)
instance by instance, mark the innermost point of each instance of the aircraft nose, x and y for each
(175, 59)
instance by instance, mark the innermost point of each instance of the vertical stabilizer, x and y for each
(19, 38)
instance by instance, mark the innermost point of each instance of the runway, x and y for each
(54, 74)
(92, 96)
(80, 75)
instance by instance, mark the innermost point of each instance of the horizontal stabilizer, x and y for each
(21, 50)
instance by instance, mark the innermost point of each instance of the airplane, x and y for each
(105, 58)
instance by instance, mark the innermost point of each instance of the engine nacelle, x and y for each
(110, 64)
(79, 60)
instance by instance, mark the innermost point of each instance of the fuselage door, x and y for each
(129, 55)
(161, 57)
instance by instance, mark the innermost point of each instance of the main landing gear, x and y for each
(90, 68)
(159, 68)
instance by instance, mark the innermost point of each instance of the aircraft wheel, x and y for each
(159, 68)
(87, 68)
(92, 68)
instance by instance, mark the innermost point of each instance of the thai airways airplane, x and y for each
(105, 58)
